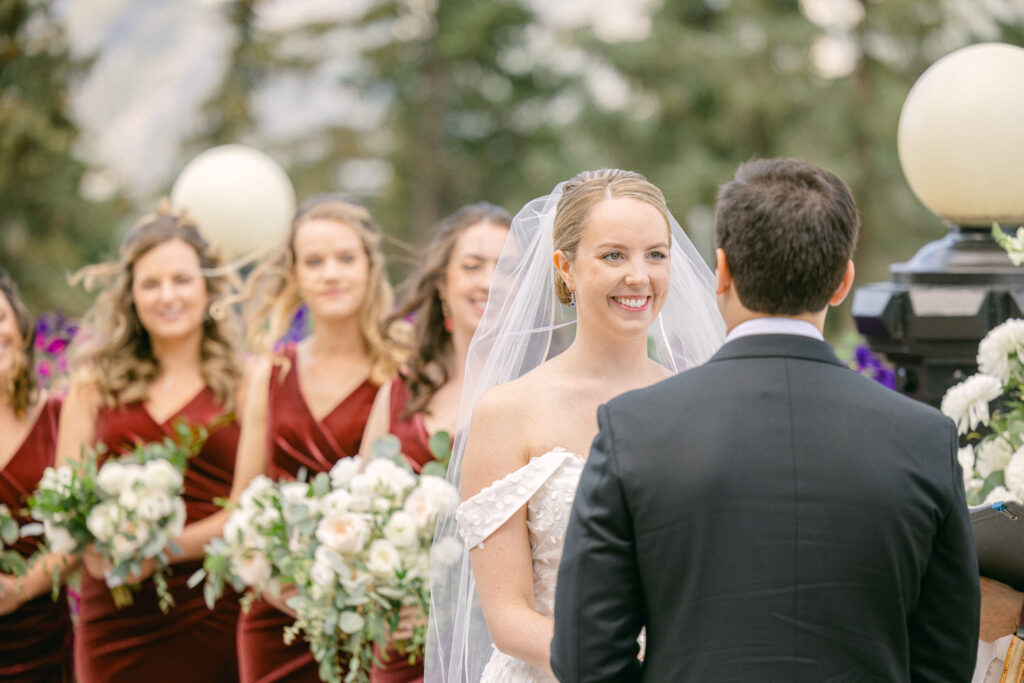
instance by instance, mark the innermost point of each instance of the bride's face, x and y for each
(621, 270)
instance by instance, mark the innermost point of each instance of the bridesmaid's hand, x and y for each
(98, 566)
(279, 600)
(95, 563)
(11, 597)
(409, 618)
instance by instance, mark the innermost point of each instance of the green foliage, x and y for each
(48, 229)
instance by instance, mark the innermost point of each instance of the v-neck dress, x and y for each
(139, 642)
(296, 440)
(36, 638)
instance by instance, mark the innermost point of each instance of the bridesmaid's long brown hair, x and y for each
(112, 348)
(20, 384)
(430, 365)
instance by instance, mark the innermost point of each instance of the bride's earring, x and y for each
(572, 298)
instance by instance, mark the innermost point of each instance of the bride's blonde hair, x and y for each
(112, 349)
(579, 196)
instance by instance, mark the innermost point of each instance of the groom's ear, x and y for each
(723, 278)
(844, 286)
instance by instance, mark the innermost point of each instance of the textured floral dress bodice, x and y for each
(546, 485)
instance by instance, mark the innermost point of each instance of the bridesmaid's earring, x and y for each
(572, 298)
(447, 314)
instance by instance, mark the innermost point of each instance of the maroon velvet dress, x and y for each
(139, 642)
(295, 440)
(35, 639)
(412, 432)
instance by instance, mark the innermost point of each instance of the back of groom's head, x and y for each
(788, 229)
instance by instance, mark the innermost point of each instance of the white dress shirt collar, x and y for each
(774, 326)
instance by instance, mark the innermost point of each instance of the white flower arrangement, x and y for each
(356, 545)
(993, 457)
(1014, 246)
(130, 509)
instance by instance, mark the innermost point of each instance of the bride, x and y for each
(627, 303)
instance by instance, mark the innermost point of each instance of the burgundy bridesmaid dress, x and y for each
(139, 642)
(412, 433)
(296, 440)
(35, 639)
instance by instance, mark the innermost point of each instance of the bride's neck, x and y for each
(598, 354)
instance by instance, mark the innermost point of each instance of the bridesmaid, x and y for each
(447, 298)
(308, 405)
(35, 631)
(150, 354)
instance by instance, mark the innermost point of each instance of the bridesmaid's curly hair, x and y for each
(272, 295)
(112, 349)
(430, 365)
(20, 385)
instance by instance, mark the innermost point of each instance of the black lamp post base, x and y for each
(930, 316)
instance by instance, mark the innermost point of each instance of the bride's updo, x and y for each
(581, 194)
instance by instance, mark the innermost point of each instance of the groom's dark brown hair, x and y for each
(787, 228)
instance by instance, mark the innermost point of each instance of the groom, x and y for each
(771, 515)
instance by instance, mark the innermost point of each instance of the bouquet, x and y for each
(355, 546)
(130, 509)
(989, 412)
(11, 561)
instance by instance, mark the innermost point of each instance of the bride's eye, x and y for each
(613, 256)
(658, 255)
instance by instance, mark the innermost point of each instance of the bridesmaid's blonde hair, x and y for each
(272, 293)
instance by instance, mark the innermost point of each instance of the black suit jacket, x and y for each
(769, 516)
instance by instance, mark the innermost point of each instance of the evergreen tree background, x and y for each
(462, 100)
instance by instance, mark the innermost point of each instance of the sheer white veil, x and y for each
(523, 325)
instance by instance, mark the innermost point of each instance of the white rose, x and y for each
(361, 485)
(382, 471)
(446, 551)
(123, 547)
(345, 533)
(112, 478)
(401, 530)
(992, 455)
(444, 495)
(383, 559)
(59, 539)
(343, 471)
(1000, 494)
(254, 571)
(1013, 475)
(335, 502)
(176, 524)
(257, 486)
(128, 499)
(154, 506)
(322, 574)
(294, 491)
(161, 475)
(102, 521)
(421, 507)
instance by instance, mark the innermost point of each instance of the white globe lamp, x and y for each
(961, 136)
(241, 199)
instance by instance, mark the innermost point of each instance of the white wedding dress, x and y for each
(546, 485)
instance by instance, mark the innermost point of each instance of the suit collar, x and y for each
(776, 345)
